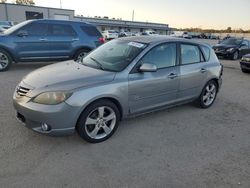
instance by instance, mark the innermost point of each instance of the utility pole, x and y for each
(133, 15)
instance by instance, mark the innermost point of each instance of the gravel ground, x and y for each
(179, 147)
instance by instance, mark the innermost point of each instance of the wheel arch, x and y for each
(9, 52)
(112, 99)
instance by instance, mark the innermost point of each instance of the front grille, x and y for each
(22, 91)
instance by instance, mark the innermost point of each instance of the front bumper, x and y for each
(61, 118)
(224, 54)
(245, 65)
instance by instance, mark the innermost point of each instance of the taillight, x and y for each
(102, 40)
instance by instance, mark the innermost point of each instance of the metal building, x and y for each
(18, 13)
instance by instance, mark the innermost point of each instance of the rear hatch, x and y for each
(93, 32)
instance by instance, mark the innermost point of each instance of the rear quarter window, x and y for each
(90, 30)
(206, 52)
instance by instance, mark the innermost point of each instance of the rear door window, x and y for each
(90, 30)
(190, 54)
(61, 30)
(206, 52)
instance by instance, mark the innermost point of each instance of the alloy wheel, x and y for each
(100, 122)
(209, 94)
(4, 61)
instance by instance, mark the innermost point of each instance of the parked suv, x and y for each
(122, 78)
(47, 40)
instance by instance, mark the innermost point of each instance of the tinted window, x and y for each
(90, 30)
(61, 30)
(190, 54)
(162, 56)
(232, 41)
(36, 29)
(206, 52)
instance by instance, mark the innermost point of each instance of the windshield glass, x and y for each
(5, 23)
(232, 41)
(114, 56)
(16, 27)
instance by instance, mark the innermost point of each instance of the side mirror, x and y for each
(22, 33)
(146, 67)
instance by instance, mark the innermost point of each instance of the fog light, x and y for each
(45, 127)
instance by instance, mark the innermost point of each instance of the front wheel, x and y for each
(5, 60)
(245, 70)
(99, 121)
(208, 95)
(235, 55)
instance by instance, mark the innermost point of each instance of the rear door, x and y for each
(149, 90)
(61, 39)
(32, 45)
(193, 71)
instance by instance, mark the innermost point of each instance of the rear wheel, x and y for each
(208, 95)
(80, 54)
(99, 121)
(245, 70)
(5, 60)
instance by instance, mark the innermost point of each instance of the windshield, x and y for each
(232, 41)
(114, 56)
(16, 27)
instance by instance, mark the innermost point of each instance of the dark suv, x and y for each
(47, 40)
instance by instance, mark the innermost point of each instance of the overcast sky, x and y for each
(218, 14)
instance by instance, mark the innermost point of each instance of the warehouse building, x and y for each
(18, 13)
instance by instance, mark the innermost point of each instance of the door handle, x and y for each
(172, 75)
(203, 70)
(75, 39)
(43, 39)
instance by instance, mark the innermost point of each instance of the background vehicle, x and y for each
(186, 35)
(125, 34)
(245, 63)
(4, 25)
(122, 78)
(47, 40)
(110, 34)
(150, 33)
(233, 48)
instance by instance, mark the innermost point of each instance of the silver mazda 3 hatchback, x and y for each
(121, 78)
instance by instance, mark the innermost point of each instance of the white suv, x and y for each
(110, 34)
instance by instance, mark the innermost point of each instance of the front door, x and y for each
(148, 90)
(30, 41)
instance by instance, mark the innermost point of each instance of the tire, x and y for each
(98, 122)
(5, 60)
(80, 54)
(208, 95)
(235, 55)
(245, 70)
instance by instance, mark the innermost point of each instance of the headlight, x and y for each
(52, 98)
(230, 49)
(245, 59)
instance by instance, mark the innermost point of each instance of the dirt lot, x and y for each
(179, 147)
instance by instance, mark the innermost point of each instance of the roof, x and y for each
(59, 21)
(157, 39)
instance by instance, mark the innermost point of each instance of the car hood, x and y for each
(65, 76)
(224, 46)
(247, 56)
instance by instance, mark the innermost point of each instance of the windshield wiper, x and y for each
(97, 62)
